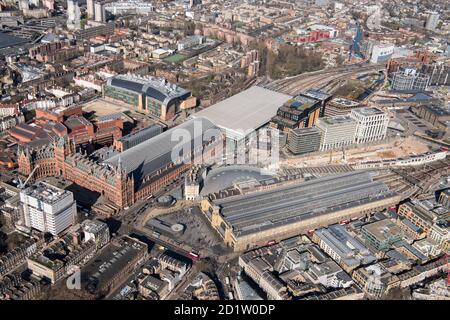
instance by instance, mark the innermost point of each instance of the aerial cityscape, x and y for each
(224, 150)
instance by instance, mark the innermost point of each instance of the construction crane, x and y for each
(21, 184)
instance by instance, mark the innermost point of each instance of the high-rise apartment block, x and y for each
(48, 208)
(432, 21)
(90, 9)
(73, 14)
(371, 124)
(99, 12)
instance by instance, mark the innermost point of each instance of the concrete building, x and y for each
(113, 265)
(343, 247)
(432, 21)
(382, 234)
(336, 132)
(254, 219)
(47, 208)
(129, 7)
(304, 140)
(96, 231)
(190, 41)
(73, 14)
(24, 5)
(381, 53)
(90, 9)
(99, 11)
(91, 31)
(375, 280)
(371, 124)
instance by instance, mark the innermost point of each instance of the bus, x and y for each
(194, 256)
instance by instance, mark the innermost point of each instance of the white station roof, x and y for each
(245, 111)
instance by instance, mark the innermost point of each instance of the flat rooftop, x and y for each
(306, 131)
(369, 111)
(383, 229)
(112, 260)
(351, 250)
(46, 192)
(247, 110)
(336, 120)
(284, 205)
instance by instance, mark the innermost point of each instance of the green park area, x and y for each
(176, 58)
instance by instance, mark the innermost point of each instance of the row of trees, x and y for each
(287, 60)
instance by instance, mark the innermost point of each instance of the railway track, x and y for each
(296, 84)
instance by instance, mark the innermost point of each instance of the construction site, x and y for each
(388, 150)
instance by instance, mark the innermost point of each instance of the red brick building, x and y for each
(129, 176)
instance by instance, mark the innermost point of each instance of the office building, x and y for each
(432, 21)
(129, 7)
(304, 140)
(336, 132)
(343, 247)
(322, 97)
(299, 112)
(371, 124)
(375, 280)
(382, 234)
(153, 96)
(24, 5)
(254, 219)
(430, 216)
(47, 208)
